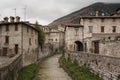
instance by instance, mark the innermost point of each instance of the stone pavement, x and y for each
(50, 70)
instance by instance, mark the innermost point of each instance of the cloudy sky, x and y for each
(44, 11)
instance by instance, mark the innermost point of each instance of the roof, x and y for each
(27, 24)
(100, 17)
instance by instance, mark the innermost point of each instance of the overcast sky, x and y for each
(44, 11)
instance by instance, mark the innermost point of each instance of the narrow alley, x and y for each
(50, 70)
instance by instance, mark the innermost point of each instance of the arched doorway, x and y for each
(79, 46)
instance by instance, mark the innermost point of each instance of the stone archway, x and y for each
(79, 46)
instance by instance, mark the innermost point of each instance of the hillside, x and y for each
(106, 8)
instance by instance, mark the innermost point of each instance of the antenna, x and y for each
(25, 12)
(15, 11)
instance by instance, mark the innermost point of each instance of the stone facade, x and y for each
(90, 32)
(99, 28)
(73, 33)
(18, 38)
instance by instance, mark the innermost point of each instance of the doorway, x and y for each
(79, 46)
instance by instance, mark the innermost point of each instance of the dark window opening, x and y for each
(30, 41)
(114, 29)
(16, 48)
(102, 20)
(4, 51)
(6, 39)
(114, 20)
(90, 20)
(102, 28)
(55, 39)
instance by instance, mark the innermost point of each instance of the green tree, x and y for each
(41, 34)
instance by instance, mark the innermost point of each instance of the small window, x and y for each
(5, 51)
(90, 29)
(102, 20)
(7, 27)
(114, 29)
(6, 39)
(102, 28)
(114, 19)
(90, 20)
(16, 48)
(16, 27)
(76, 31)
(55, 39)
(30, 41)
(35, 41)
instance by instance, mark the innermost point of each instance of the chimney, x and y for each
(97, 13)
(6, 19)
(12, 19)
(17, 19)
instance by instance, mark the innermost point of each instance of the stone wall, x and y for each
(105, 66)
(30, 45)
(9, 70)
(45, 52)
(111, 48)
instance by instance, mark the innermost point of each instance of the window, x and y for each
(102, 28)
(102, 20)
(7, 27)
(114, 19)
(55, 39)
(16, 27)
(114, 29)
(76, 31)
(90, 20)
(6, 39)
(30, 41)
(16, 48)
(90, 29)
(5, 51)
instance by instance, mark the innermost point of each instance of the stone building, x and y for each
(99, 29)
(74, 37)
(55, 38)
(91, 34)
(18, 37)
